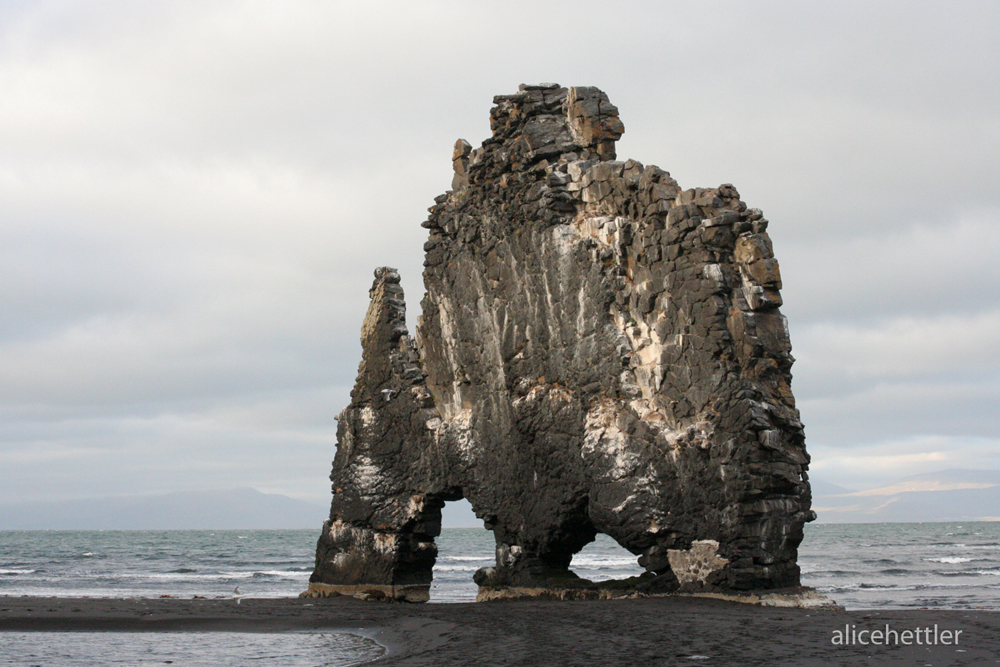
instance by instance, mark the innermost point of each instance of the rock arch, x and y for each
(598, 351)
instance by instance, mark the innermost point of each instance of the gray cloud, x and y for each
(920, 271)
(193, 196)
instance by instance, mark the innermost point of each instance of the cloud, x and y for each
(911, 346)
(887, 410)
(281, 440)
(193, 196)
(921, 271)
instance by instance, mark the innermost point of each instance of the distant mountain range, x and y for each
(948, 495)
(211, 510)
(188, 510)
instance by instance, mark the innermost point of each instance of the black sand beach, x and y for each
(631, 632)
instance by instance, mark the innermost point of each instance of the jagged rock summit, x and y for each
(600, 351)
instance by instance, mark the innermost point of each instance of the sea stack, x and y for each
(599, 351)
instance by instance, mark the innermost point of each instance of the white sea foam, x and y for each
(168, 576)
(298, 574)
(213, 576)
(455, 568)
(950, 559)
(601, 563)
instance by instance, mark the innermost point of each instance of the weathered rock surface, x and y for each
(599, 351)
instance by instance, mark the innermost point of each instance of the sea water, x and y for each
(903, 565)
(151, 563)
(186, 649)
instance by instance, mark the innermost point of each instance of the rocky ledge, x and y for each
(599, 351)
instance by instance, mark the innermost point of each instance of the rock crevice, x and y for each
(599, 351)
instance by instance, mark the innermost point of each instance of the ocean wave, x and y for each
(854, 588)
(848, 588)
(164, 576)
(195, 576)
(994, 573)
(16, 571)
(835, 573)
(259, 574)
(616, 562)
(951, 560)
(235, 575)
(948, 586)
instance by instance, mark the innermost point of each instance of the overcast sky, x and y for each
(194, 195)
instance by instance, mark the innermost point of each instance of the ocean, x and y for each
(904, 565)
(860, 566)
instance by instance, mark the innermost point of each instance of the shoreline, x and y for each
(645, 631)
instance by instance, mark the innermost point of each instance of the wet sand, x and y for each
(629, 632)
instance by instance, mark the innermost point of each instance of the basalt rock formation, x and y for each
(600, 351)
